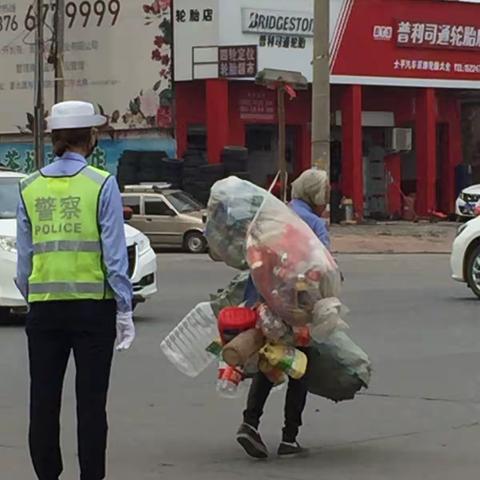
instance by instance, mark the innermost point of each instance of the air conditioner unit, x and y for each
(399, 140)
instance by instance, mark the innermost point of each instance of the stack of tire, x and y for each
(172, 171)
(148, 167)
(151, 167)
(235, 162)
(198, 175)
(128, 166)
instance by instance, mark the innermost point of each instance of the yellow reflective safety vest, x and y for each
(67, 248)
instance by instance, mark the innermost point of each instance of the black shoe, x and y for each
(287, 449)
(251, 441)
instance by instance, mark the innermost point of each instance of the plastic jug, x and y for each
(186, 345)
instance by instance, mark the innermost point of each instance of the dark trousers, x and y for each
(54, 329)
(294, 404)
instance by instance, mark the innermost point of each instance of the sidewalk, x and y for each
(394, 237)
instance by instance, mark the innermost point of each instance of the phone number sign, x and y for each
(84, 14)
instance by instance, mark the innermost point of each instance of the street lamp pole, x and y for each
(321, 87)
(39, 108)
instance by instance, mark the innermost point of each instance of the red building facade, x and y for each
(393, 66)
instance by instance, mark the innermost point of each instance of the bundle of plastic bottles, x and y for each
(300, 312)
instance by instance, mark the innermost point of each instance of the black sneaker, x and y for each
(251, 441)
(287, 449)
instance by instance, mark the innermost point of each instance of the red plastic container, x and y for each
(234, 320)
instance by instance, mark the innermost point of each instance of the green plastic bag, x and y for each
(232, 295)
(337, 368)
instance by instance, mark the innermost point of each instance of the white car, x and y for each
(465, 258)
(141, 257)
(467, 201)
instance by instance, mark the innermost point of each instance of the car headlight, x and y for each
(143, 244)
(462, 196)
(9, 244)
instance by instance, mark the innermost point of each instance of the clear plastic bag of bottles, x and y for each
(290, 266)
(232, 206)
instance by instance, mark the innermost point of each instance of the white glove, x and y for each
(125, 330)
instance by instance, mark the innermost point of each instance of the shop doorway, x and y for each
(262, 144)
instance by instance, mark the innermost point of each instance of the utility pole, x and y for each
(59, 36)
(321, 87)
(39, 109)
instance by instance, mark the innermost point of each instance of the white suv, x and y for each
(465, 258)
(141, 257)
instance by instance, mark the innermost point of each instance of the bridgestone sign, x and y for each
(277, 22)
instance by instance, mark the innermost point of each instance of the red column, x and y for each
(454, 157)
(217, 118)
(352, 161)
(426, 150)
(303, 149)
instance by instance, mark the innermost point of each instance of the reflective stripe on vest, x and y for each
(67, 259)
(66, 287)
(29, 180)
(94, 175)
(67, 246)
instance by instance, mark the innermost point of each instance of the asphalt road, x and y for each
(419, 420)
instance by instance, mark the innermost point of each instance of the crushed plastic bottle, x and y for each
(229, 381)
(186, 346)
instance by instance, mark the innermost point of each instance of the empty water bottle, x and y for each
(229, 380)
(186, 345)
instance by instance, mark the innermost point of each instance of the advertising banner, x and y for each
(117, 55)
(411, 42)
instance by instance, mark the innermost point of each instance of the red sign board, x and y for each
(434, 35)
(238, 61)
(259, 106)
(402, 40)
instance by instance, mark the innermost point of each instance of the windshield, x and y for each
(9, 197)
(183, 202)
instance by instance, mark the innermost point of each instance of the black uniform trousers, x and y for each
(54, 330)
(295, 402)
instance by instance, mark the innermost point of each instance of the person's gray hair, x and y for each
(312, 186)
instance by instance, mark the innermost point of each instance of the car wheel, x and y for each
(195, 243)
(473, 271)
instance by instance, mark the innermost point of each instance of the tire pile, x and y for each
(143, 167)
(194, 174)
(235, 161)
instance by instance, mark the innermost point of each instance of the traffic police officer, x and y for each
(73, 271)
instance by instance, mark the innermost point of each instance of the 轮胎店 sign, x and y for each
(277, 22)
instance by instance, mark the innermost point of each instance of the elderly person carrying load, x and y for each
(310, 197)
